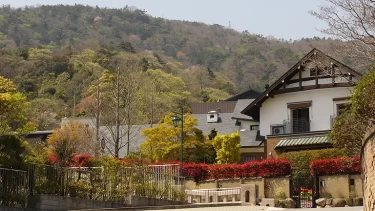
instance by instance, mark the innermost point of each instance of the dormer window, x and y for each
(212, 117)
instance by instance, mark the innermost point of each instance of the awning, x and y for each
(302, 141)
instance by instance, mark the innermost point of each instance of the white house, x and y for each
(297, 110)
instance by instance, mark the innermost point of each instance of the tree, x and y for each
(352, 21)
(350, 127)
(163, 141)
(119, 91)
(227, 148)
(13, 107)
(127, 46)
(71, 138)
(12, 152)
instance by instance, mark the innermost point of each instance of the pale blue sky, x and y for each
(288, 19)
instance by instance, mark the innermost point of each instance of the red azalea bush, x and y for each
(336, 166)
(265, 168)
(196, 171)
(78, 160)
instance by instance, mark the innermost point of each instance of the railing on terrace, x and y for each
(215, 195)
(13, 188)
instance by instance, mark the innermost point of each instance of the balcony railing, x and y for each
(297, 125)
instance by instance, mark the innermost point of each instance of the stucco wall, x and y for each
(336, 185)
(358, 187)
(275, 111)
(272, 184)
(339, 186)
(267, 186)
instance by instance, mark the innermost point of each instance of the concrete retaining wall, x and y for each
(45, 202)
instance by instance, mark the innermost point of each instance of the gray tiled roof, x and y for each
(225, 126)
(241, 105)
(248, 138)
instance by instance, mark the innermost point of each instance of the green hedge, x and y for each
(302, 159)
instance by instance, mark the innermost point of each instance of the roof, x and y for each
(248, 94)
(290, 73)
(302, 141)
(42, 132)
(248, 138)
(226, 125)
(240, 105)
(220, 107)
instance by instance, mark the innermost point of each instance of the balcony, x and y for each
(290, 126)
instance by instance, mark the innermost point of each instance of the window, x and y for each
(300, 120)
(254, 127)
(212, 116)
(352, 182)
(342, 107)
(248, 158)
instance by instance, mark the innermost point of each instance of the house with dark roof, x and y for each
(225, 117)
(296, 111)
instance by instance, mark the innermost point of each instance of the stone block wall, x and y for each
(368, 169)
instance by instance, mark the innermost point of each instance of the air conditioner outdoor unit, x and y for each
(277, 130)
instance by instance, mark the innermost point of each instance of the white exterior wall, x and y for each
(245, 124)
(274, 110)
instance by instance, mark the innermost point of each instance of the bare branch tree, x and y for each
(352, 21)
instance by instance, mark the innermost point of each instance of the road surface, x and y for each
(257, 208)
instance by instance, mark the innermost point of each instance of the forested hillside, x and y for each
(54, 54)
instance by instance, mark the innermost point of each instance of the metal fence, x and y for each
(13, 188)
(114, 184)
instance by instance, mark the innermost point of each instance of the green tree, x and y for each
(13, 152)
(163, 141)
(127, 46)
(227, 148)
(13, 107)
(350, 127)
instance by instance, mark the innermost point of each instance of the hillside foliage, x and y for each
(54, 54)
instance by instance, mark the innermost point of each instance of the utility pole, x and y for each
(97, 118)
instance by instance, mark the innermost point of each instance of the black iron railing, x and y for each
(299, 125)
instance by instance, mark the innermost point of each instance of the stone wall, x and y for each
(368, 164)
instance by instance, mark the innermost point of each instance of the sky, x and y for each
(287, 19)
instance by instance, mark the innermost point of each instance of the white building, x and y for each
(297, 110)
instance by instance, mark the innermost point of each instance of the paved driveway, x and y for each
(257, 208)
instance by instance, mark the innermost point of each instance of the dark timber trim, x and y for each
(253, 108)
(340, 98)
(311, 87)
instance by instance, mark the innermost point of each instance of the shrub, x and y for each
(280, 194)
(336, 166)
(265, 168)
(302, 159)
